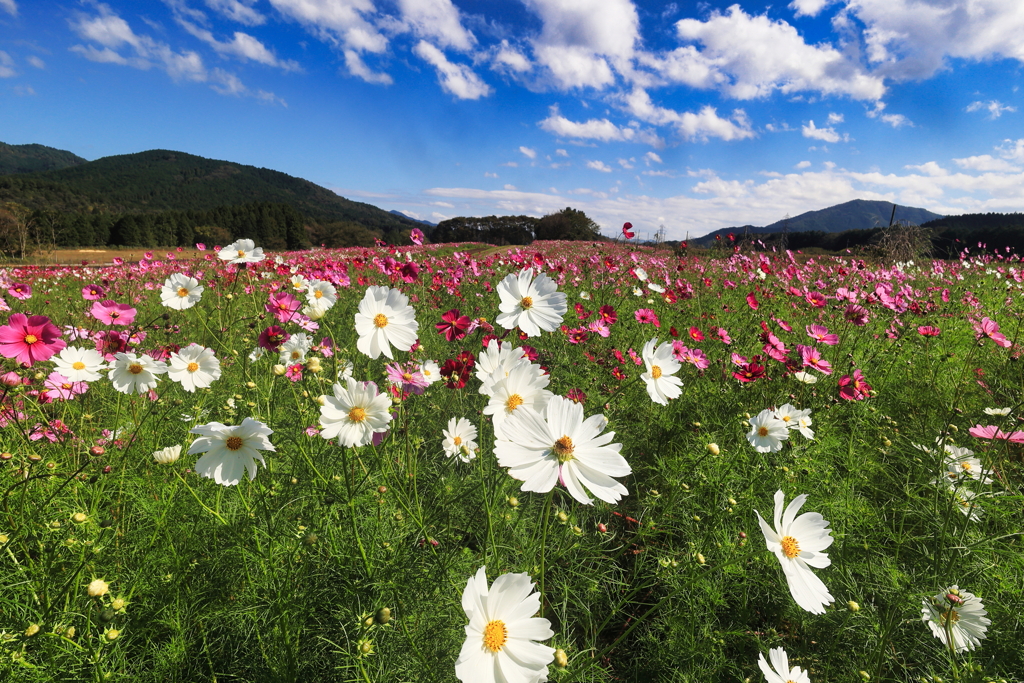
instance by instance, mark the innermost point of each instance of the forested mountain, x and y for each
(35, 158)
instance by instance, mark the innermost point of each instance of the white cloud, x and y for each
(509, 58)
(825, 134)
(750, 57)
(809, 8)
(834, 118)
(804, 164)
(456, 79)
(581, 41)
(531, 153)
(897, 120)
(509, 187)
(651, 157)
(994, 108)
(929, 168)
(437, 20)
(240, 11)
(701, 125)
(6, 66)
(626, 163)
(1012, 149)
(596, 129)
(599, 166)
(242, 45)
(489, 174)
(36, 62)
(10, 7)
(986, 162)
(561, 153)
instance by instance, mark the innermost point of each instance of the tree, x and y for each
(567, 224)
(16, 229)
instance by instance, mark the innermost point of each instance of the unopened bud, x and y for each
(97, 451)
(713, 449)
(561, 659)
(383, 615)
(112, 634)
(279, 369)
(97, 588)
(854, 607)
(561, 517)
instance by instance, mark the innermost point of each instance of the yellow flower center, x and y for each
(31, 339)
(192, 367)
(357, 414)
(786, 418)
(790, 547)
(78, 365)
(233, 443)
(763, 431)
(966, 466)
(135, 368)
(514, 401)
(318, 294)
(526, 302)
(950, 615)
(495, 635)
(407, 376)
(296, 355)
(380, 320)
(655, 371)
(241, 254)
(563, 449)
(182, 292)
(457, 440)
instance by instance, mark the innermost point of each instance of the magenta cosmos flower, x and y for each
(30, 339)
(93, 292)
(989, 328)
(110, 312)
(20, 290)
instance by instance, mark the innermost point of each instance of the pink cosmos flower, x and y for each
(739, 360)
(117, 261)
(407, 376)
(110, 312)
(993, 432)
(858, 315)
(752, 301)
(723, 336)
(416, 236)
(600, 327)
(854, 388)
(820, 333)
(110, 344)
(816, 299)
(626, 227)
(647, 316)
(200, 246)
(578, 336)
(811, 357)
(294, 372)
(283, 306)
(62, 388)
(694, 357)
(928, 331)
(989, 328)
(30, 339)
(20, 290)
(93, 292)
(696, 334)
(409, 272)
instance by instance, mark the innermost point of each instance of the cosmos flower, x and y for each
(416, 236)
(230, 451)
(20, 290)
(523, 386)
(798, 543)
(165, 456)
(532, 305)
(558, 445)
(407, 376)
(820, 333)
(194, 367)
(282, 306)
(500, 642)
(959, 614)
(385, 319)
(93, 292)
(241, 251)
(854, 388)
(767, 432)
(321, 294)
(779, 671)
(355, 413)
(662, 385)
(453, 325)
(989, 328)
(180, 292)
(112, 313)
(460, 439)
(294, 349)
(30, 339)
(796, 419)
(80, 365)
(132, 374)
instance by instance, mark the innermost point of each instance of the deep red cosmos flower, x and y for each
(626, 227)
(453, 325)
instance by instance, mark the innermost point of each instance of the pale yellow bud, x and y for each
(98, 588)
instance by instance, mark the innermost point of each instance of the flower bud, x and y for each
(31, 630)
(97, 588)
(854, 607)
(383, 615)
(97, 451)
(280, 369)
(713, 449)
(561, 517)
(561, 659)
(513, 501)
(79, 517)
(112, 634)
(700, 559)
(118, 604)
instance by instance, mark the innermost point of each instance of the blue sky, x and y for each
(689, 115)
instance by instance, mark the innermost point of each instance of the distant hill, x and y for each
(35, 158)
(399, 213)
(859, 214)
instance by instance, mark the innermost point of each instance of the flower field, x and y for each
(567, 462)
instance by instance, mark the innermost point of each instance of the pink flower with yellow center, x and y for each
(30, 339)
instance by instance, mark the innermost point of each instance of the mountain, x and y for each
(859, 214)
(163, 180)
(35, 158)
(399, 213)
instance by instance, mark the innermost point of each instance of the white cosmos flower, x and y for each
(796, 418)
(131, 374)
(430, 371)
(460, 439)
(662, 386)
(798, 543)
(779, 671)
(767, 432)
(180, 292)
(500, 642)
(294, 350)
(532, 305)
(959, 613)
(355, 413)
(558, 445)
(960, 464)
(655, 288)
(80, 365)
(194, 367)
(997, 411)
(314, 311)
(965, 500)
(299, 283)
(495, 362)
(257, 353)
(165, 456)
(385, 319)
(242, 251)
(230, 450)
(805, 377)
(321, 294)
(523, 387)
(640, 273)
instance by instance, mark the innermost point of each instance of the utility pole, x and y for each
(785, 232)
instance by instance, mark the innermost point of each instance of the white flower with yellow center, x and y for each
(558, 445)
(131, 374)
(194, 367)
(502, 632)
(294, 350)
(180, 292)
(523, 387)
(795, 418)
(960, 464)
(299, 283)
(767, 432)
(460, 439)
(798, 543)
(779, 671)
(495, 362)
(957, 618)
(321, 294)
(430, 371)
(230, 450)
(662, 386)
(80, 365)
(165, 456)
(385, 319)
(532, 305)
(241, 251)
(355, 413)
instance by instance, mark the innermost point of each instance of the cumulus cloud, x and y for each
(749, 57)
(456, 79)
(601, 130)
(531, 153)
(994, 108)
(508, 58)
(809, 8)
(804, 164)
(240, 11)
(986, 162)
(652, 158)
(10, 7)
(437, 21)
(825, 134)
(241, 46)
(700, 125)
(599, 166)
(834, 118)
